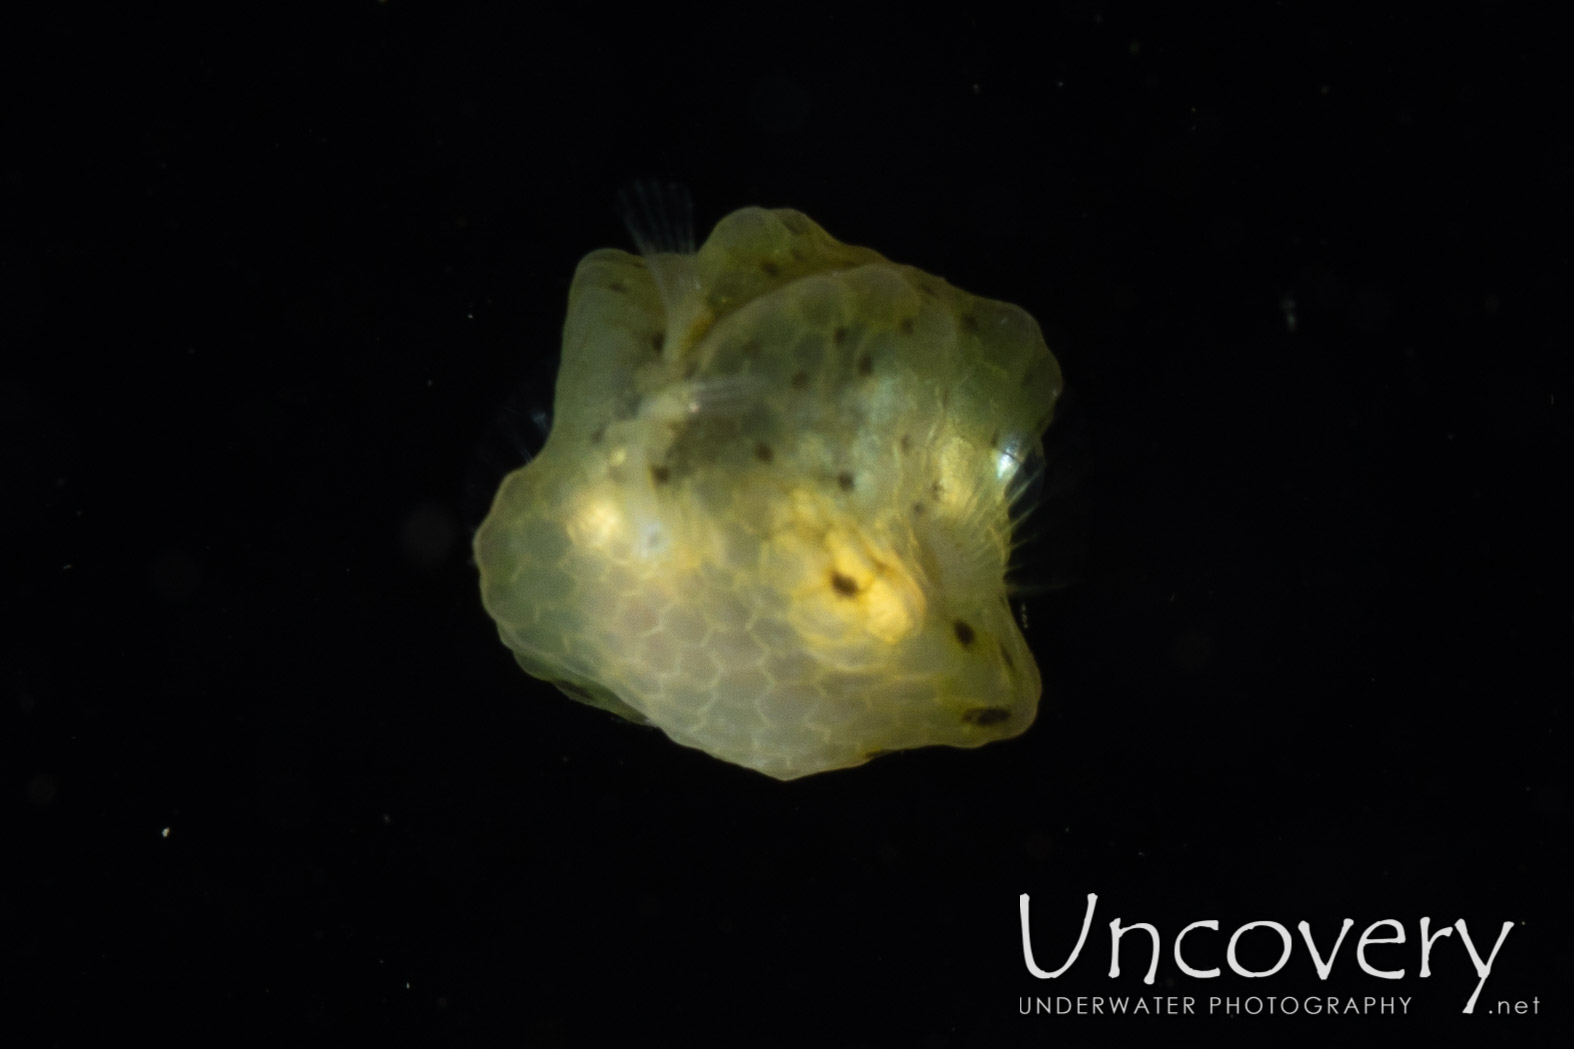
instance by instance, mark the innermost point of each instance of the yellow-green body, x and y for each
(773, 514)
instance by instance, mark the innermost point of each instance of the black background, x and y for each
(267, 280)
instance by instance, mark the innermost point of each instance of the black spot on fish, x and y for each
(986, 715)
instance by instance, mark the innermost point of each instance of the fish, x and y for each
(775, 511)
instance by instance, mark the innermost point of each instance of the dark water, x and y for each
(1304, 614)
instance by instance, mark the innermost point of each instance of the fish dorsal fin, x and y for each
(660, 218)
